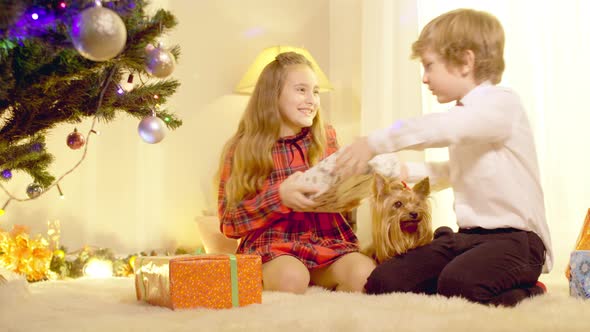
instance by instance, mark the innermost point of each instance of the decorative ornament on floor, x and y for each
(152, 129)
(75, 140)
(36, 259)
(24, 254)
(158, 62)
(34, 190)
(98, 33)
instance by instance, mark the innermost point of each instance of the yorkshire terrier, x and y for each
(401, 217)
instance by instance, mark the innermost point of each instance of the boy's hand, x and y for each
(294, 194)
(354, 159)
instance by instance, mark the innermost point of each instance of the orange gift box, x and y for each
(209, 281)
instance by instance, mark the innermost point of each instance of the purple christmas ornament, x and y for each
(37, 147)
(7, 174)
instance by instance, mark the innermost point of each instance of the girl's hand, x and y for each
(294, 194)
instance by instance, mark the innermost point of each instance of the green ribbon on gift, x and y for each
(233, 266)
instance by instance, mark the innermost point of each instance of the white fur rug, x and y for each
(110, 305)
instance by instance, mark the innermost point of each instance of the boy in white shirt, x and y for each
(503, 241)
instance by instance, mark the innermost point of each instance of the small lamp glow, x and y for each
(98, 268)
(2, 212)
(248, 81)
(35, 16)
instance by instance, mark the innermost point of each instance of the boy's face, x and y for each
(447, 83)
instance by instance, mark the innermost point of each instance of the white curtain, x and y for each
(547, 50)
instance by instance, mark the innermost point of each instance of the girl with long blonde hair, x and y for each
(260, 202)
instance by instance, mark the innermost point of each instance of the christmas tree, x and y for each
(65, 61)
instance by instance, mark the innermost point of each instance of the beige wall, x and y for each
(345, 68)
(129, 195)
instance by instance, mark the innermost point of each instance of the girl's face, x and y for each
(445, 82)
(299, 100)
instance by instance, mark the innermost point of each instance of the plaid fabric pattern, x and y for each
(270, 229)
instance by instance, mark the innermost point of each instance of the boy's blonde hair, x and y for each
(259, 129)
(451, 34)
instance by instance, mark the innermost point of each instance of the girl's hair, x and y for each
(457, 31)
(250, 148)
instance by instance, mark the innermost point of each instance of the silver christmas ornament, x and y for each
(152, 129)
(34, 190)
(98, 33)
(159, 62)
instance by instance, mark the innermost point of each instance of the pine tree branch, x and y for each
(45, 82)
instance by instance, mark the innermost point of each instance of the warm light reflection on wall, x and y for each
(248, 81)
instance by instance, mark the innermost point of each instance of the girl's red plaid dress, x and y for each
(270, 229)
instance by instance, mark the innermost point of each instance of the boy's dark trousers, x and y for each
(489, 266)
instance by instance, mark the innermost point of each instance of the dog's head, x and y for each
(401, 216)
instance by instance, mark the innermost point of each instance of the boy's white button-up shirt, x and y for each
(492, 165)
